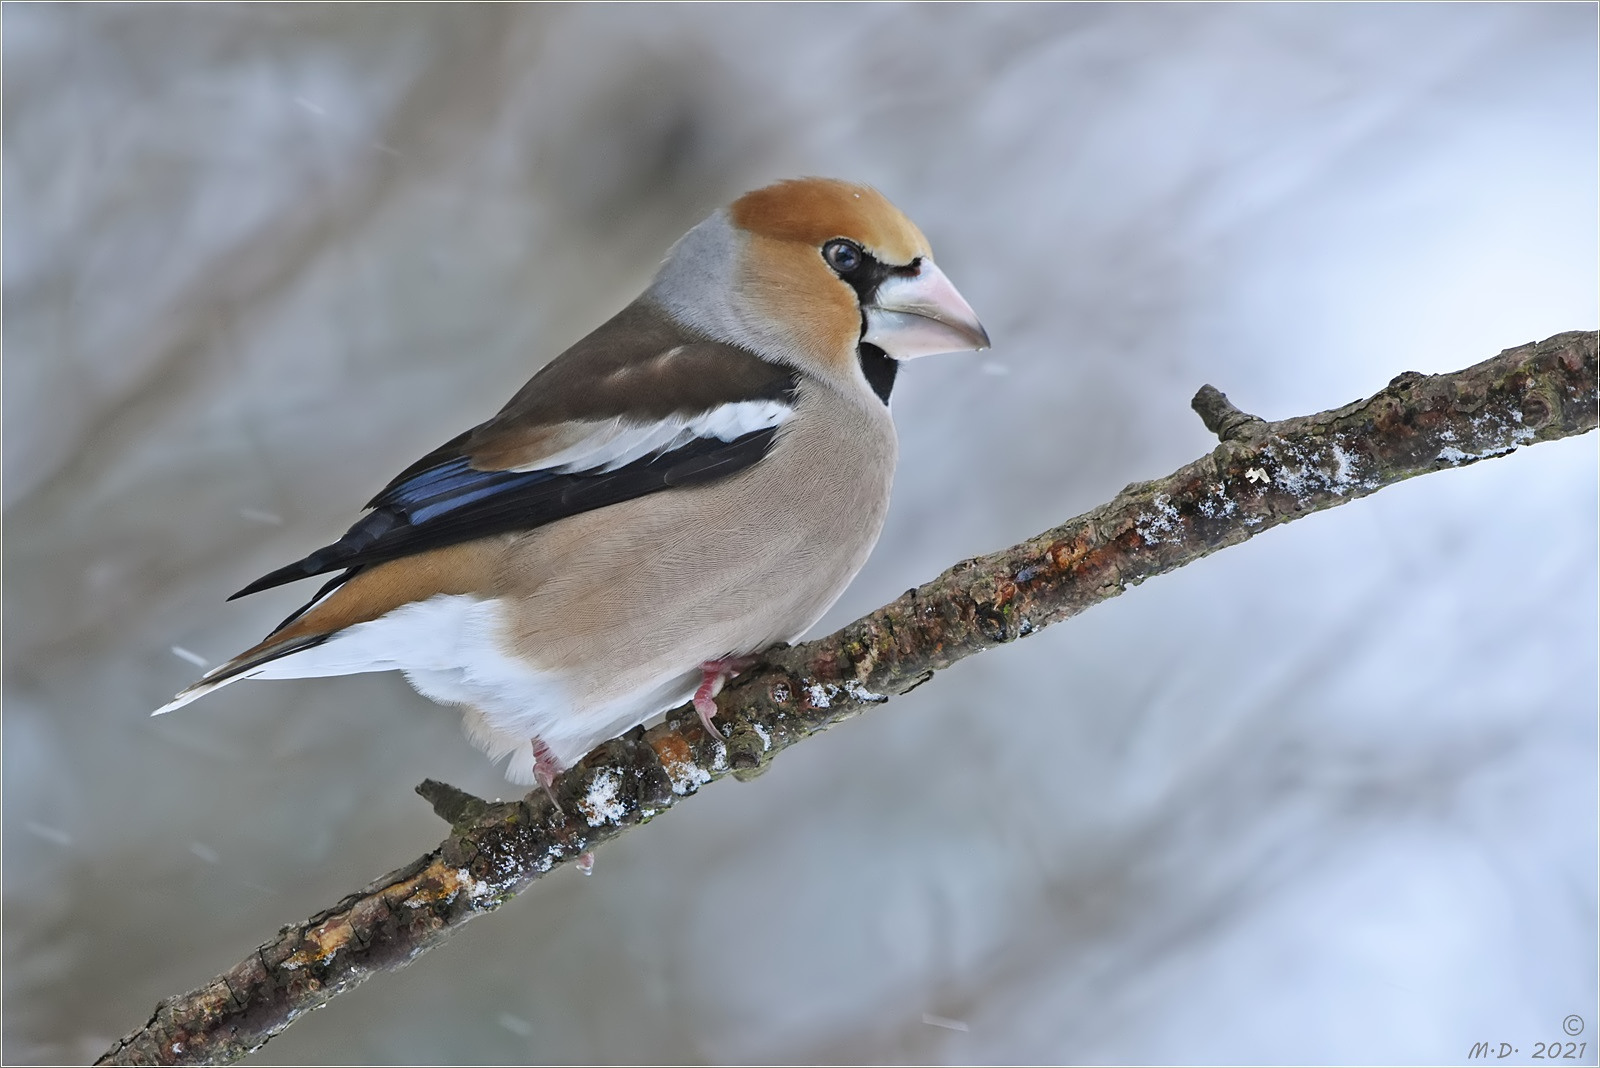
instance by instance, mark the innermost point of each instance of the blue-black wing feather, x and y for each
(451, 502)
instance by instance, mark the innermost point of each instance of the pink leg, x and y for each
(545, 770)
(713, 673)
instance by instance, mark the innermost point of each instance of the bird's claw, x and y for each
(545, 770)
(713, 673)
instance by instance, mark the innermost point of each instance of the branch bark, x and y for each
(1261, 475)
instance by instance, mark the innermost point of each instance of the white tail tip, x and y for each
(193, 693)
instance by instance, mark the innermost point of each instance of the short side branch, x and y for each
(1222, 418)
(1263, 474)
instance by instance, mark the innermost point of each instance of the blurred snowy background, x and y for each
(1328, 797)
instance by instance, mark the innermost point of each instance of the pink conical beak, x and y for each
(922, 314)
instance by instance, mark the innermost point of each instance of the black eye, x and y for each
(842, 256)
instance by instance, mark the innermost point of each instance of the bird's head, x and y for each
(815, 272)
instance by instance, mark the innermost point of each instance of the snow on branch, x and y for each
(1261, 475)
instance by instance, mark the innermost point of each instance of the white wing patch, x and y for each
(615, 443)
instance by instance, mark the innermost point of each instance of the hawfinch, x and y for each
(692, 483)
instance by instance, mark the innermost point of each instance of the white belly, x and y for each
(452, 649)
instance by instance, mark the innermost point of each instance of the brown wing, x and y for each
(639, 406)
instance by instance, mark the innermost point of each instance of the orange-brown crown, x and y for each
(812, 210)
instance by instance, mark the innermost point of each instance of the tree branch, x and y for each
(1261, 475)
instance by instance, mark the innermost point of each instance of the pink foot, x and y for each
(585, 863)
(713, 673)
(545, 770)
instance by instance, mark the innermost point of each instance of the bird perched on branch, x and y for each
(693, 482)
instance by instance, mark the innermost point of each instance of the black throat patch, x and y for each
(879, 368)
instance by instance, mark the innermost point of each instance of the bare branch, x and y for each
(1261, 475)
